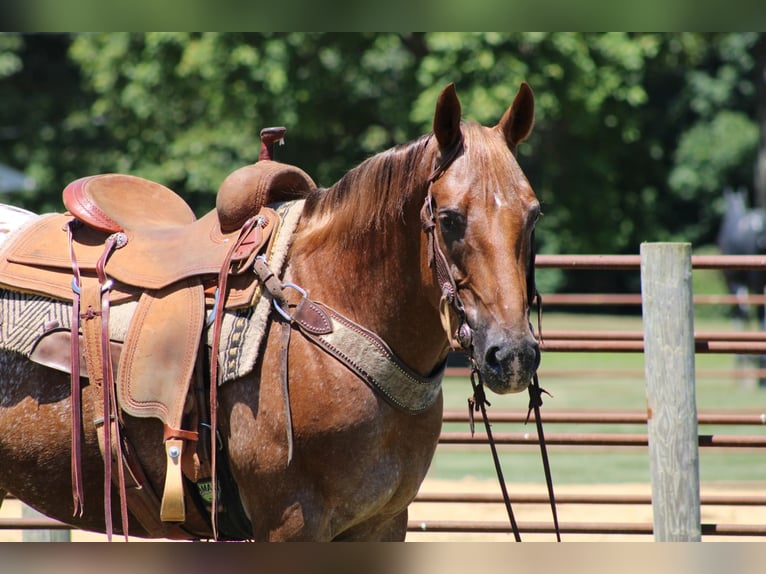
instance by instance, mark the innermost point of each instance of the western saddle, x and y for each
(128, 239)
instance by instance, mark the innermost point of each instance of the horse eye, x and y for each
(452, 225)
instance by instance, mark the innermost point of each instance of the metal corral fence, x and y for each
(672, 440)
(672, 421)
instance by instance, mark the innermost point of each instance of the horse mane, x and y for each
(368, 196)
(374, 194)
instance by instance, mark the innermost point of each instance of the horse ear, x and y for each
(447, 118)
(516, 123)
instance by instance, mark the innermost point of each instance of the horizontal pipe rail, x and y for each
(733, 373)
(460, 526)
(633, 262)
(575, 528)
(593, 262)
(608, 417)
(619, 299)
(752, 342)
(580, 498)
(637, 346)
(595, 439)
(702, 336)
(33, 524)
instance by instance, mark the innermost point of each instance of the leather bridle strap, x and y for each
(460, 338)
(479, 402)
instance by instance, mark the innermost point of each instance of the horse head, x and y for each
(486, 212)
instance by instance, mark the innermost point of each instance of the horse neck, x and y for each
(380, 279)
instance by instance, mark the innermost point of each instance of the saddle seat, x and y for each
(116, 202)
(166, 243)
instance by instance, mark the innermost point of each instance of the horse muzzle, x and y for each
(506, 362)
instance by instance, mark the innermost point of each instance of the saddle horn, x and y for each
(269, 137)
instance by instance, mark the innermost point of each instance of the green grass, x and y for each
(584, 465)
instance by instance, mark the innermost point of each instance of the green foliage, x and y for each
(10, 62)
(636, 134)
(704, 166)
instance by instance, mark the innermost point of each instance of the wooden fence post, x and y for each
(668, 315)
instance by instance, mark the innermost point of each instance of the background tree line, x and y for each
(636, 134)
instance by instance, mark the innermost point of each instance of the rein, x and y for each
(460, 338)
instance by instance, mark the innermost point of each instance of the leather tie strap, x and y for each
(113, 242)
(285, 381)
(94, 322)
(78, 496)
(249, 226)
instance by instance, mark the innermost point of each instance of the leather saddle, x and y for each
(165, 243)
(137, 240)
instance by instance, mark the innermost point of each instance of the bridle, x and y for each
(460, 336)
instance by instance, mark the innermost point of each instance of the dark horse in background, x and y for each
(743, 232)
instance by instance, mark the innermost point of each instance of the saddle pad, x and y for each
(243, 329)
(25, 318)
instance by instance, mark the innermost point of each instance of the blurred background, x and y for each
(637, 134)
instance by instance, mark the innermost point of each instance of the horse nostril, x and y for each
(537, 358)
(493, 358)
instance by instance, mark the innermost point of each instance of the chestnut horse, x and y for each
(424, 244)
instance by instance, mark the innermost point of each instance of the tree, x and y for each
(636, 134)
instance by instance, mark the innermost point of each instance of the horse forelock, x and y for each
(497, 178)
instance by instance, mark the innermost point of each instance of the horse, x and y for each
(427, 246)
(743, 232)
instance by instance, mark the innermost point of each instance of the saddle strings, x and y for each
(78, 496)
(109, 399)
(222, 286)
(114, 241)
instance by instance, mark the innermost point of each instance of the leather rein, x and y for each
(460, 337)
